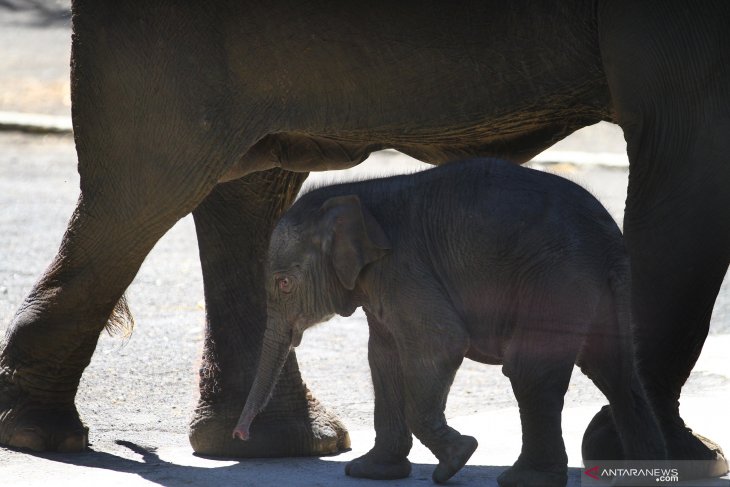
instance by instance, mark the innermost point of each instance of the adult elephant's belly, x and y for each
(477, 354)
(299, 152)
(304, 152)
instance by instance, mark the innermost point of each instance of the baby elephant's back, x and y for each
(529, 229)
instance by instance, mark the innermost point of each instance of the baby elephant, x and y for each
(480, 259)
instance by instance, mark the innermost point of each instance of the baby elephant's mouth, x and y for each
(296, 337)
(297, 330)
(300, 324)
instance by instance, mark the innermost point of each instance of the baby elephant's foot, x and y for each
(521, 474)
(379, 466)
(453, 457)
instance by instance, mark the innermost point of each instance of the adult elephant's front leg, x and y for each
(234, 224)
(126, 205)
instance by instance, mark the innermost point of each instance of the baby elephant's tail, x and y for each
(628, 428)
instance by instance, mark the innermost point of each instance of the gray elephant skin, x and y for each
(479, 259)
(221, 109)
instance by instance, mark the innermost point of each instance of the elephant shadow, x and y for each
(300, 471)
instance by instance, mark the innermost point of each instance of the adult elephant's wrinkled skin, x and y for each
(221, 109)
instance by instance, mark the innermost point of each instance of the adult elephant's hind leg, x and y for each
(233, 225)
(670, 95)
(674, 290)
(678, 237)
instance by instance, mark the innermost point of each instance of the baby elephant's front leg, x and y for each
(428, 376)
(388, 459)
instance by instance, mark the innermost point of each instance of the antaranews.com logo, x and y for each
(645, 473)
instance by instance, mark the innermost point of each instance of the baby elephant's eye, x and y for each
(284, 284)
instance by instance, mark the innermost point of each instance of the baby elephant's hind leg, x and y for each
(539, 372)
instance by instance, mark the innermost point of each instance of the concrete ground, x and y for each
(137, 394)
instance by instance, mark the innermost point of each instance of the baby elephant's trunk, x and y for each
(274, 353)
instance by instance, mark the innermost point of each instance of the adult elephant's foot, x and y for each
(34, 424)
(314, 432)
(524, 474)
(294, 423)
(378, 465)
(601, 442)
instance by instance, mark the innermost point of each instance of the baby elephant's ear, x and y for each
(356, 238)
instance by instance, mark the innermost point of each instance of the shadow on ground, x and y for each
(324, 471)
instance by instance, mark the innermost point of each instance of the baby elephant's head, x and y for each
(315, 257)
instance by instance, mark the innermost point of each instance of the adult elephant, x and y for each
(221, 110)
